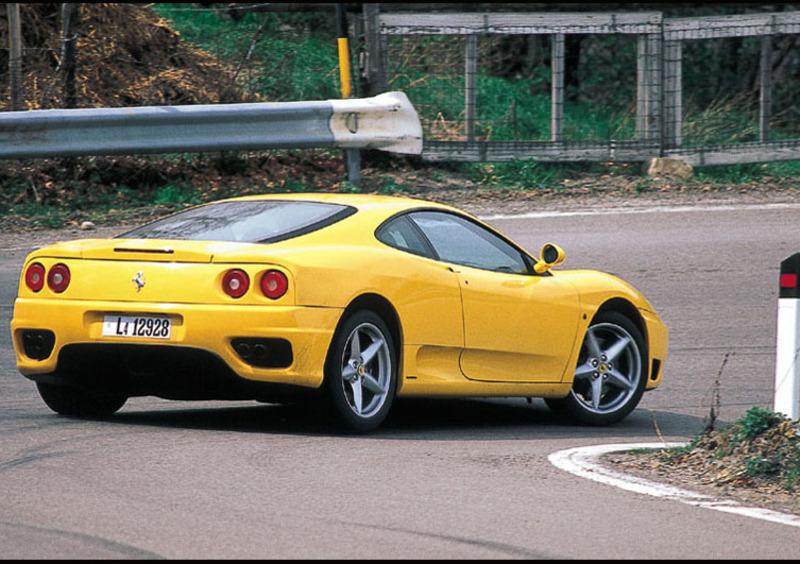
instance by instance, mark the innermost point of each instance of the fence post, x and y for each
(649, 88)
(557, 88)
(787, 376)
(375, 64)
(765, 88)
(470, 72)
(655, 85)
(673, 94)
(642, 90)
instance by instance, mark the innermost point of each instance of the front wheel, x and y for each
(611, 373)
(78, 402)
(361, 372)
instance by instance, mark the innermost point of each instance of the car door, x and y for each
(518, 326)
(430, 307)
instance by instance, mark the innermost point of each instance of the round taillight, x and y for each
(58, 278)
(235, 283)
(274, 284)
(34, 277)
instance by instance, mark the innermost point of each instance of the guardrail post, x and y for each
(352, 157)
(787, 376)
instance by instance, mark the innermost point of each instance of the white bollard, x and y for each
(787, 376)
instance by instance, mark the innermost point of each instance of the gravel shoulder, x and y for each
(608, 193)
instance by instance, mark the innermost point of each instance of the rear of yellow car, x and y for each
(205, 304)
(107, 302)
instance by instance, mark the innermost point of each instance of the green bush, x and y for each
(755, 421)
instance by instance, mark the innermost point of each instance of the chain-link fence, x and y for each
(627, 86)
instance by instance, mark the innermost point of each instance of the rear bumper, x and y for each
(212, 329)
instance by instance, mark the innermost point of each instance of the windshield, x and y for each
(248, 221)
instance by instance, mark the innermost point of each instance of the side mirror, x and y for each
(551, 255)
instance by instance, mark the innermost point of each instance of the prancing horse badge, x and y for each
(139, 280)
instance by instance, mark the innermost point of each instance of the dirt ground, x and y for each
(755, 465)
(45, 185)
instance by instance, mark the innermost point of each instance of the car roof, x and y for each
(385, 204)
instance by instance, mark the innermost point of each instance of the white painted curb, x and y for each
(582, 462)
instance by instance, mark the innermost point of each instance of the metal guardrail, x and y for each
(386, 122)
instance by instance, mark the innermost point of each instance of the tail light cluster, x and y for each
(273, 284)
(235, 282)
(57, 278)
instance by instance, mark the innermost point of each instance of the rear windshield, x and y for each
(249, 221)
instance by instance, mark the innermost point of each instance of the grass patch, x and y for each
(783, 173)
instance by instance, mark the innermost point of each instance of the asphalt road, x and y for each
(442, 479)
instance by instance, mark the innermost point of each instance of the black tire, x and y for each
(610, 375)
(78, 402)
(361, 372)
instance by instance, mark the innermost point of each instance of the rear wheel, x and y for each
(361, 372)
(79, 402)
(611, 373)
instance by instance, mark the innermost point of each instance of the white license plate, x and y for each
(137, 326)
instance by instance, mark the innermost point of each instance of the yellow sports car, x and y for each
(356, 299)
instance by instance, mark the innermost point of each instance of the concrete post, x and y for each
(787, 376)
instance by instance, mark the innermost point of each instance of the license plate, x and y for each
(137, 326)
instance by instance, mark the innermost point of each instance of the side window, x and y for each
(401, 234)
(458, 240)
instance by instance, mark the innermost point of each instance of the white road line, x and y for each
(582, 462)
(648, 209)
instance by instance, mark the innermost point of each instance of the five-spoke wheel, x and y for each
(610, 376)
(361, 371)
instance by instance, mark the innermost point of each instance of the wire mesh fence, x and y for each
(599, 86)
(498, 97)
